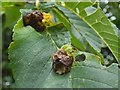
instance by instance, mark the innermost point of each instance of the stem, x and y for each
(98, 4)
(38, 6)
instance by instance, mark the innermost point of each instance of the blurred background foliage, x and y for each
(10, 14)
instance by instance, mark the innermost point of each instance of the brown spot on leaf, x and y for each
(34, 19)
(61, 62)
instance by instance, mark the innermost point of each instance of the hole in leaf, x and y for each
(81, 57)
(119, 66)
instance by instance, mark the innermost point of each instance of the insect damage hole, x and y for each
(81, 57)
(62, 62)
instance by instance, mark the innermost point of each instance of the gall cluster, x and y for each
(61, 62)
(37, 20)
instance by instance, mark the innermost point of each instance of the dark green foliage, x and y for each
(82, 25)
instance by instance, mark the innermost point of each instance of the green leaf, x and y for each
(102, 26)
(59, 34)
(93, 75)
(47, 6)
(80, 5)
(70, 4)
(87, 74)
(30, 57)
(82, 33)
(97, 23)
(76, 39)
